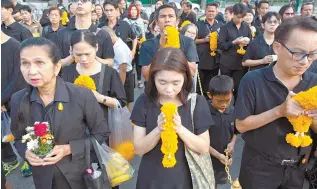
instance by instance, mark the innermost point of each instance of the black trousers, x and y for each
(259, 172)
(236, 75)
(7, 153)
(205, 77)
(137, 65)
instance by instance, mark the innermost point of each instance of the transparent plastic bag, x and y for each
(6, 135)
(121, 138)
(118, 169)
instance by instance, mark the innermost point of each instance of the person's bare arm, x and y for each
(123, 72)
(107, 61)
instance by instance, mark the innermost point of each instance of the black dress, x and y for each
(112, 85)
(152, 174)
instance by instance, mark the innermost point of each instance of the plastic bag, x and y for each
(121, 138)
(118, 169)
(6, 135)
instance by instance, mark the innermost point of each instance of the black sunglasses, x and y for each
(298, 56)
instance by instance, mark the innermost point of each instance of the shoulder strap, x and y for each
(101, 78)
(193, 97)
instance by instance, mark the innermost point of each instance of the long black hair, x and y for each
(24, 117)
(83, 36)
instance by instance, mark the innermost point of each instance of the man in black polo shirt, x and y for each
(83, 21)
(208, 66)
(121, 28)
(264, 103)
(260, 51)
(9, 26)
(230, 60)
(50, 31)
(166, 16)
(187, 13)
(262, 8)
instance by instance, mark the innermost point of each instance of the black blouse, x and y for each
(152, 174)
(69, 126)
(112, 85)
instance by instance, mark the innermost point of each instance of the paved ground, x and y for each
(19, 182)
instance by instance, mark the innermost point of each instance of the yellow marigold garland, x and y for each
(85, 81)
(308, 100)
(186, 22)
(241, 50)
(169, 136)
(64, 18)
(213, 43)
(172, 37)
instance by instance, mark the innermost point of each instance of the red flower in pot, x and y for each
(40, 129)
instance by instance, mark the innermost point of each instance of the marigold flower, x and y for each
(213, 43)
(172, 37)
(169, 136)
(85, 81)
(186, 22)
(126, 149)
(308, 100)
(241, 50)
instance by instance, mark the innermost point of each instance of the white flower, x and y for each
(32, 145)
(37, 122)
(28, 129)
(253, 29)
(48, 142)
(26, 137)
(46, 123)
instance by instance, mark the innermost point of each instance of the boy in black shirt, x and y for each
(222, 134)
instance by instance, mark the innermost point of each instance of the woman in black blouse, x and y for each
(84, 47)
(170, 81)
(42, 101)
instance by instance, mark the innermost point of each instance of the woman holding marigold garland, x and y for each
(68, 109)
(169, 81)
(84, 47)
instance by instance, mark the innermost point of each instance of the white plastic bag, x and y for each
(118, 169)
(121, 138)
(6, 135)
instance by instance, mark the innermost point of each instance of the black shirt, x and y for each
(49, 34)
(122, 30)
(11, 77)
(44, 21)
(221, 132)
(228, 33)
(151, 46)
(220, 18)
(112, 85)
(81, 112)
(190, 17)
(152, 174)
(17, 31)
(260, 91)
(258, 49)
(313, 67)
(258, 25)
(206, 61)
(105, 48)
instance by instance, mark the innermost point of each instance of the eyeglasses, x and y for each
(298, 56)
(289, 14)
(275, 22)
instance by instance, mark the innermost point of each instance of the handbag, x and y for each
(200, 165)
(102, 181)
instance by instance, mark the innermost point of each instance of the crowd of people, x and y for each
(245, 86)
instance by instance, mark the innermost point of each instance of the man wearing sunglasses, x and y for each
(83, 21)
(264, 103)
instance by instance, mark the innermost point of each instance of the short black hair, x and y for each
(70, 4)
(306, 3)
(263, 2)
(7, 4)
(189, 4)
(165, 6)
(269, 15)
(55, 8)
(305, 23)
(114, 3)
(26, 8)
(213, 4)
(250, 11)
(283, 9)
(240, 8)
(221, 85)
